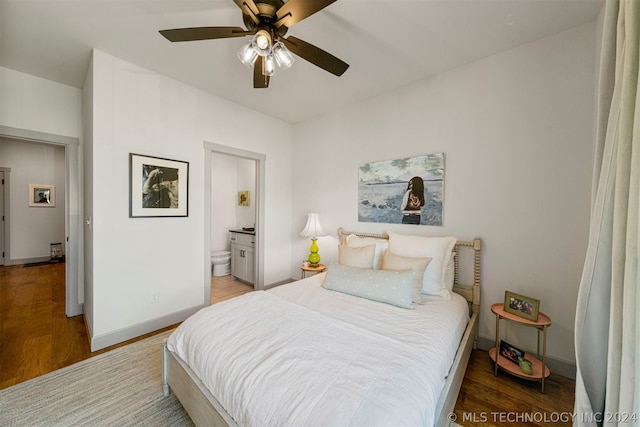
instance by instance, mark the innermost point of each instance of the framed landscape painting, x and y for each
(402, 191)
(158, 187)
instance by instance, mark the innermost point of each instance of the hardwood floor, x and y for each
(36, 337)
(224, 287)
(490, 400)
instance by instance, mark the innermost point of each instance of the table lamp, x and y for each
(314, 230)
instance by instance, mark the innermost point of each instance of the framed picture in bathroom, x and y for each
(158, 187)
(244, 198)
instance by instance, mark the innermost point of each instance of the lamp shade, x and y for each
(313, 228)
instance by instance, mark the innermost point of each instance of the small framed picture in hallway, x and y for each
(158, 187)
(42, 196)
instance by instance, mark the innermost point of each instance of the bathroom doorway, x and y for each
(234, 188)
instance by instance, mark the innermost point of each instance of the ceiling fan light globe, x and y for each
(269, 65)
(284, 58)
(262, 42)
(247, 55)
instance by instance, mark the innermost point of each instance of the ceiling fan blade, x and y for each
(295, 11)
(315, 55)
(203, 33)
(249, 8)
(260, 81)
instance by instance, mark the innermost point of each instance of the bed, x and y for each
(313, 353)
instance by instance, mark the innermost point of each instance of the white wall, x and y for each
(516, 130)
(138, 111)
(36, 109)
(36, 104)
(246, 181)
(33, 229)
(230, 174)
(224, 178)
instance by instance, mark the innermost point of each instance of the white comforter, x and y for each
(300, 355)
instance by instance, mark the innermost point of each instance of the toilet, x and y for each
(221, 262)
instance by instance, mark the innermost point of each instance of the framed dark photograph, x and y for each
(158, 187)
(521, 305)
(510, 352)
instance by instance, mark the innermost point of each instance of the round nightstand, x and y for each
(309, 269)
(540, 369)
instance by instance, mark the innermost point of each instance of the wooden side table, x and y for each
(309, 269)
(540, 370)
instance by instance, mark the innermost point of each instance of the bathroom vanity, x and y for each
(243, 249)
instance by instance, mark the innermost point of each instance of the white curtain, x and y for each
(608, 310)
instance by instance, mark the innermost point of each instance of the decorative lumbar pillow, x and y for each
(358, 257)
(390, 287)
(393, 262)
(381, 246)
(438, 248)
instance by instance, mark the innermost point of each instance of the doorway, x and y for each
(256, 160)
(72, 211)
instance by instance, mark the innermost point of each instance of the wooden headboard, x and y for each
(471, 292)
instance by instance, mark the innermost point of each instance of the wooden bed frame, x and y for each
(205, 410)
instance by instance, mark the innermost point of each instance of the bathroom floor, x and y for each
(224, 287)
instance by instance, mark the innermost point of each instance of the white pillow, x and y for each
(361, 257)
(389, 287)
(450, 272)
(393, 262)
(381, 246)
(438, 248)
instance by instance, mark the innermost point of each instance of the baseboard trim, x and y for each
(26, 260)
(556, 366)
(105, 340)
(281, 282)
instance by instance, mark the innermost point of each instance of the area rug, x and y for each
(122, 387)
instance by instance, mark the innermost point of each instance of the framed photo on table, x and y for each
(521, 305)
(42, 196)
(158, 187)
(510, 352)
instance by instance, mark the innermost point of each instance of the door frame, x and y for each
(6, 177)
(209, 148)
(74, 293)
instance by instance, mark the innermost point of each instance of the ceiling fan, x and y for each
(267, 21)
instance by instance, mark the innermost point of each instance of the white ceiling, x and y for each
(388, 43)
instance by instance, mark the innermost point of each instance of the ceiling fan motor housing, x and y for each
(267, 14)
(267, 17)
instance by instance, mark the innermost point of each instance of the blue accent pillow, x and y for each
(390, 287)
